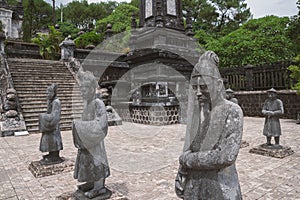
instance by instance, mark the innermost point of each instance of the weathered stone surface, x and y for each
(213, 136)
(11, 113)
(49, 126)
(276, 152)
(10, 126)
(78, 195)
(88, 136)
(244, 144)
(38, 170)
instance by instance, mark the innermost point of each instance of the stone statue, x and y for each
(213, 137)
(49, 126)
(272, 109)
(89, 132)
(230, 96)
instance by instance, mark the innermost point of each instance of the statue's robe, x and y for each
(272, 123)
(49, 126)
(88, 135)
(214, 145)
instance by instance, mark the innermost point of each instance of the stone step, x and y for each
(43, 110)
(30, 68)
(31, 77)
(64, 104)
(38, 74)
(42, 84)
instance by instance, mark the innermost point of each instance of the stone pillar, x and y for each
(67, 49)
(2, 40)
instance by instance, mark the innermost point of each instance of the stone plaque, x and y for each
(171, 7)
(148, 9)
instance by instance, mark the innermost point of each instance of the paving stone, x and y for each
(150, 174)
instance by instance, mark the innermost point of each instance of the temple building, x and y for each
(161, 58)
(11, 18)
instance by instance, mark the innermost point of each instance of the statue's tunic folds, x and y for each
(211, 171)
(89, 133)
(272, 123)
(49, 126)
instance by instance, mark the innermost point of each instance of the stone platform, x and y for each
(38, 170)
(143, 161)
(78, 195)
(271, 151)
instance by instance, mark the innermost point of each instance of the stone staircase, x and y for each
(31, 77)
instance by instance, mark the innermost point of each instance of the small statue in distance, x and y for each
(49, 126)
(89, 132)
(230, 96)
(272, 109)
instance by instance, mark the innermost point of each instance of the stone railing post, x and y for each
(67, 49)
(249, 77)
(2, 40)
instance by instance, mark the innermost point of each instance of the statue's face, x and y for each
(87, 91)
(272, 95)
(201, 87)
(229, 95)
(50, 93)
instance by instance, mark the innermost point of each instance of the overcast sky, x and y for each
(259, 8)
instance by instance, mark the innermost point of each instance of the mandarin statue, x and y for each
(49, 126)
(272, 110)
(213, 138)
(230, 96)
(89, 132)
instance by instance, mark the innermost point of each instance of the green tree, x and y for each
(89, 13)
(216, 17)
(90, 38)
(295, 69)
(120, 19)
(49, 43)
(67, 28)
(258, 41)
(37, 17)
(293, 30)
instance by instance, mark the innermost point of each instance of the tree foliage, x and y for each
(49, 43)
(37, 17)
(90, 38)
(262, 40)
(295, 69)
(216, 17)
(67, 28)
(120, 19)
(84, 15)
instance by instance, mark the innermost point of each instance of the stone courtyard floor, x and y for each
(144, 161)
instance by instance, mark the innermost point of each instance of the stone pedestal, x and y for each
(78, 195)
(272, 151)
(10, 126)
(38, 170)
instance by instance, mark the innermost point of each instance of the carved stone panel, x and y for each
(148, 9)
(171, 7)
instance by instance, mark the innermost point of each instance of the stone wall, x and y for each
(251, 102)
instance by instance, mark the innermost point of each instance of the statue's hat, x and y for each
(207, 65)
(272, 90)
(229, 90)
